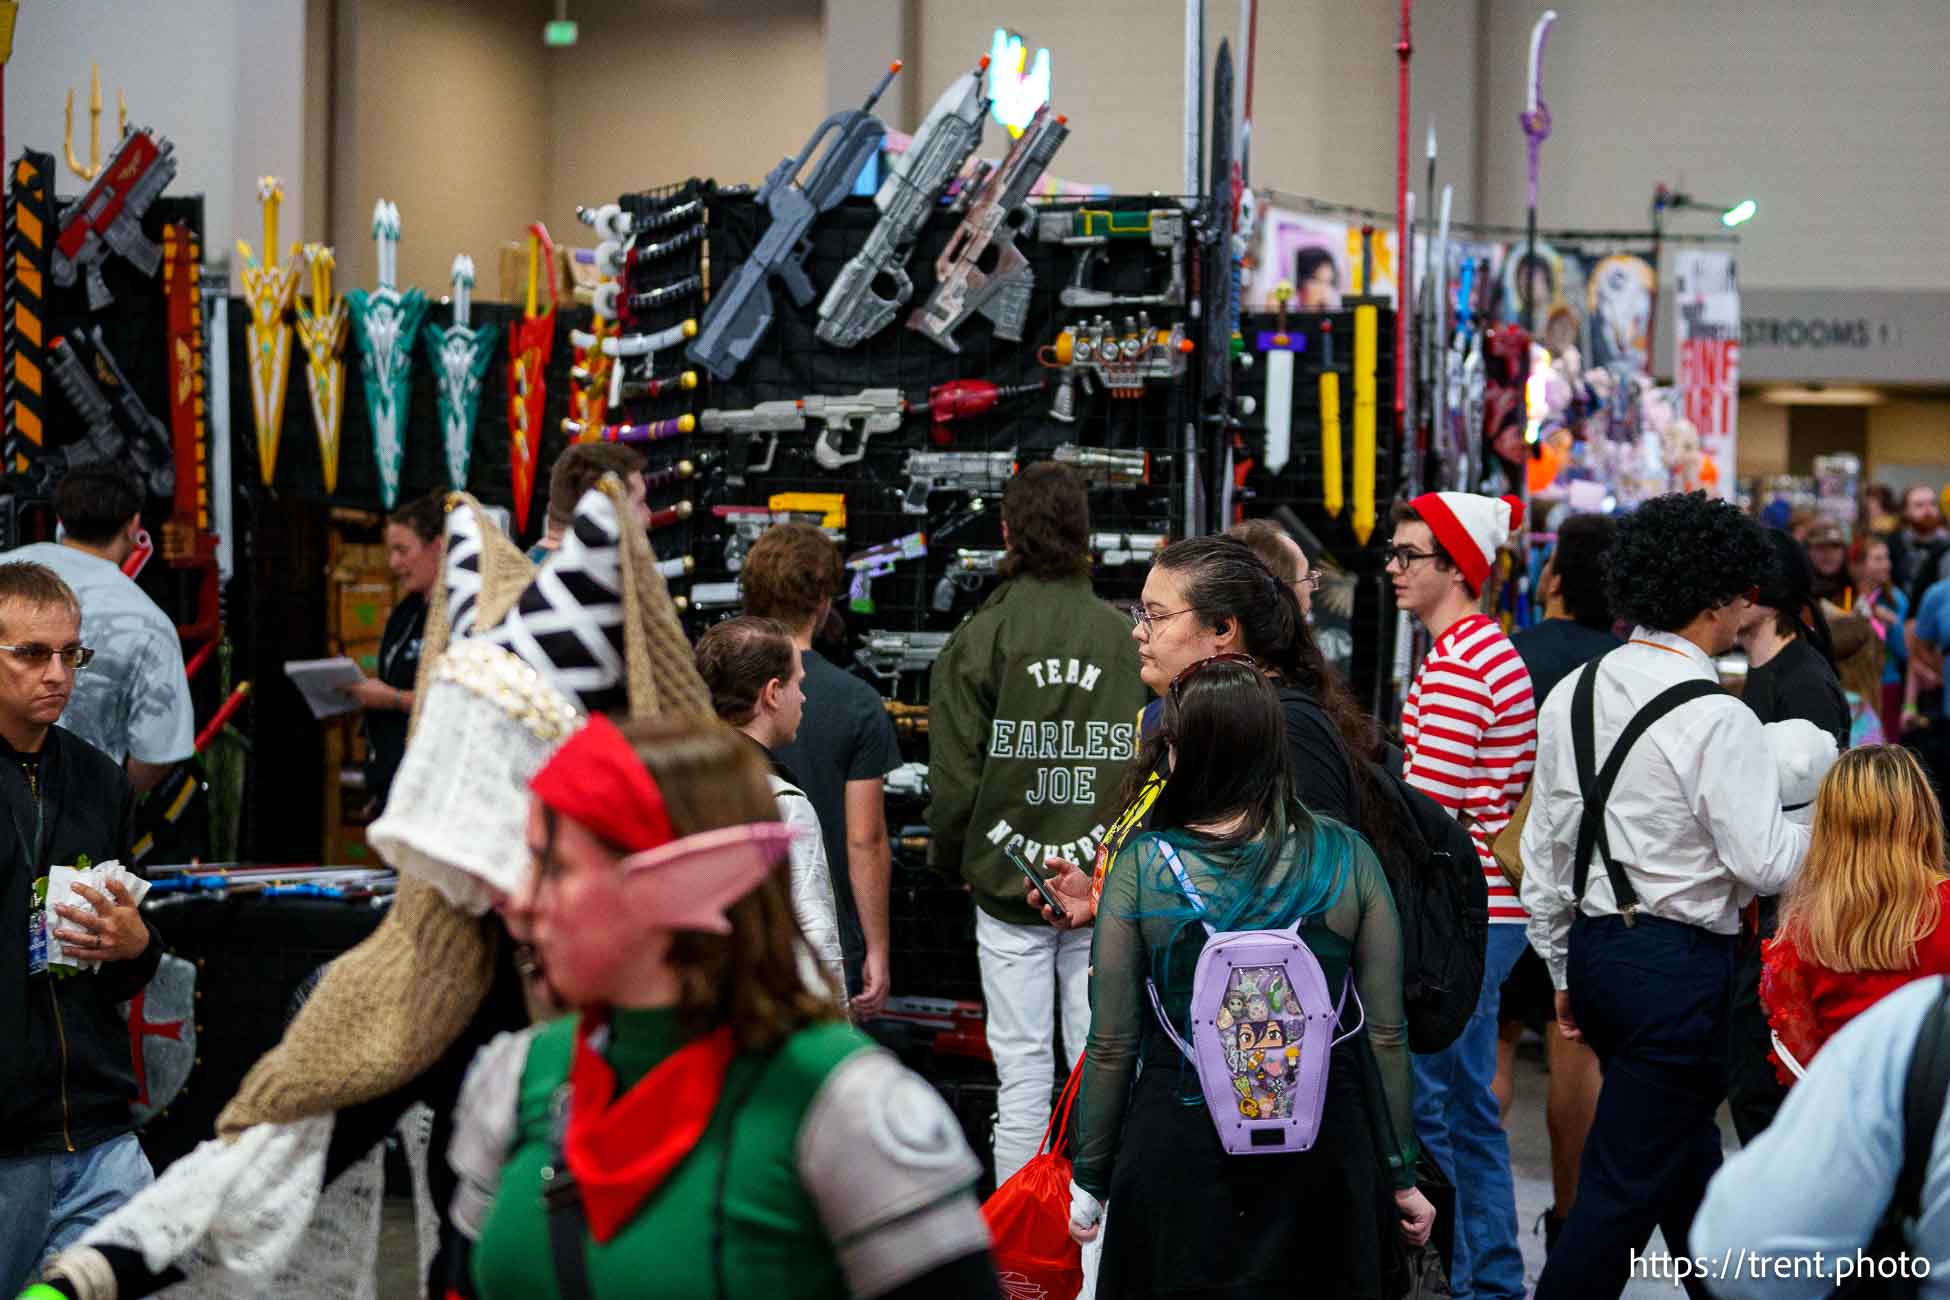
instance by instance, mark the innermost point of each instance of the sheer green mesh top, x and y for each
(1147, 928)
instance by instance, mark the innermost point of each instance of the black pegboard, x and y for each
(1300, 486)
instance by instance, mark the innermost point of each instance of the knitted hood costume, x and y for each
(531, 653)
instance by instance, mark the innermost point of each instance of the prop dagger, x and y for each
(387, 323)
(269, 288)
(461, 355)
(529, 343)
(322, 329)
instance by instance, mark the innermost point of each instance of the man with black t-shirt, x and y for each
(1790, 674)
(67, 1077)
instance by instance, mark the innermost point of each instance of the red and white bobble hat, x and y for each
(1470, 529)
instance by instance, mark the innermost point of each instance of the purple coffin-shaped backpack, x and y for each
(1262, 1025)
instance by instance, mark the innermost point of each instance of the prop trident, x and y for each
(529, 344)
(268, 291)
(322, 328)
(94, 167)
(1536, 122)
(461, 354)
(387, 323)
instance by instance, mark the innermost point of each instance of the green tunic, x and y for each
(773, 1244)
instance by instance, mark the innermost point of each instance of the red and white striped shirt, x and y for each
(1469, 739)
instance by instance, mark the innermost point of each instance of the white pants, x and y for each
(1027, 972)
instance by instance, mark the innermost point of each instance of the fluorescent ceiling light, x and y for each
(1799, 395)
(1739, 212)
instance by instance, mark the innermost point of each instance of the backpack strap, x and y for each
(1923, 1095)
(1185, 884)
(1595, 784)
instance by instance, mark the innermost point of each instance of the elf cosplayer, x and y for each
(706, 1125)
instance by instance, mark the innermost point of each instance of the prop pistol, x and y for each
(889, 654)
(929, 472)
(878, 561)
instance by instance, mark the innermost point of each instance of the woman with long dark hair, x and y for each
(1191, 1219)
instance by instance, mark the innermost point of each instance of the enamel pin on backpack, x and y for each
(1262, 1029)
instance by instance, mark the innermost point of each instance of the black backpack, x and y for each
(1443, 904)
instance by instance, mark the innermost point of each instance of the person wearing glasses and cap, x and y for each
(67, 1079)
(1469, 740)
(134, 703)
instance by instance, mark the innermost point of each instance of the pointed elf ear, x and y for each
(689, 883)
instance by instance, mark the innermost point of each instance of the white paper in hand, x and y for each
(320, 680)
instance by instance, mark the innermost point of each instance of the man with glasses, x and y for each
(133, 703)
(1278, 551)
(1032, 719)
(67, 1076)
(1469, 738)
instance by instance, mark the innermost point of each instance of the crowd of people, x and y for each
(1289, 946)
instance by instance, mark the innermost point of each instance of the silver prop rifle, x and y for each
(108, 218)
(865, 413)
(1093, 229)
(987, 236)
(706, 597)
(852, 311)
(1114, 550)
(887, 655)
(929, 472)
(741, 311)
(744, 429)
(117, 427)
(966, 569)
(1121, 363)
(1106, 466)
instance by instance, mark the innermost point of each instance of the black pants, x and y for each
(1651, 1000)
(1754, 1092)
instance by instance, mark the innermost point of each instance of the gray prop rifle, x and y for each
(929, 472)
(1114, 550)
(744, 429)
(1093, 229)
(117, 427)
(708, 597)
(1106, 466)
(887, 655)
(741, 311)
(988, 235)
(967, 570)
(851, 310)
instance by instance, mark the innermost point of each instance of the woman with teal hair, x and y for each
(1190, 1219)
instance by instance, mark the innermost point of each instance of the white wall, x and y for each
(222, 79)
(1830, 116)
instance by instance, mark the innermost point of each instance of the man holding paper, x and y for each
(67, 1153)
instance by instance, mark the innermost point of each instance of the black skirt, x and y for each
(1187, 1220)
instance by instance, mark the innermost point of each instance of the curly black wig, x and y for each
(1680, 555)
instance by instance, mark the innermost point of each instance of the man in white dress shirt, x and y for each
(1639, 934)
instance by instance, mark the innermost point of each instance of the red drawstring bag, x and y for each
(1029, 1216)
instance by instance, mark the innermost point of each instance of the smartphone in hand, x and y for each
(1014, 855)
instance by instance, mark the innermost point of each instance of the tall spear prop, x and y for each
(530, 340)
(1536, 122)
(1404, 49)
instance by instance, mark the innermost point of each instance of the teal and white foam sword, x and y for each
(387, 322)
(461, 354)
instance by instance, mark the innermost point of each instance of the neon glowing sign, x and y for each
(1016, 93)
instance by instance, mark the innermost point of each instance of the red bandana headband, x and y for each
(596, 779)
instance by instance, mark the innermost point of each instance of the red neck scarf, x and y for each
(621, 1149)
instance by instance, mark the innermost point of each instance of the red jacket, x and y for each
(1807, 1003)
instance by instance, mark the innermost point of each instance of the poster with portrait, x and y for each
(1310, 251)
(1706, 358)
(1618, 298)
(1556, 277)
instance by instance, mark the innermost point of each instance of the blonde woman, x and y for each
(1865, 915)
